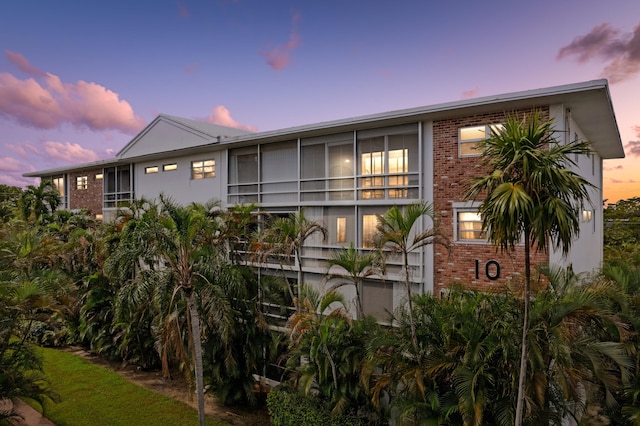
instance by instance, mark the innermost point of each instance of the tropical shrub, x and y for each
(287, 408)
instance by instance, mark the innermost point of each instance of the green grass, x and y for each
(93, 395)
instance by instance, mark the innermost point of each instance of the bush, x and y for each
(287, 408)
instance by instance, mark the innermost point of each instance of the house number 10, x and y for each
(491, 269)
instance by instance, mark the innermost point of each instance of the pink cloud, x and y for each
(49, 103)
(623, 181)
(469, 94)
(633, 148)
(9, 164)
(182, 10)
(23, 64)
(606, 43)
(24, 150)
(16, 179)
(279, 57)
(608, 169)
(70, 152)
(192, 69)
(220, 115)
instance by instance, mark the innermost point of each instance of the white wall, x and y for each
(586, 250)
(178, 183)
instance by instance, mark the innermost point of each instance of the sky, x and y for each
(79, 79)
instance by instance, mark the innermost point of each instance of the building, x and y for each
(345, 172)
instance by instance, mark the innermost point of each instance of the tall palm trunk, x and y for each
(525, 331)
(407, 284)
(197, 351)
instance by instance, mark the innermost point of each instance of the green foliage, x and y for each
(395, 231)
(622, 231)
(288, 408)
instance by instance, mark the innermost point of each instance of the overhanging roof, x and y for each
(589, 102)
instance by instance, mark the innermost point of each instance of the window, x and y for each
(118, 184)
(243, 175)
(377, 299)
(369, 225)
(279, 172)
(169, 167)
(98, 176)
(341, 229)
(150, 169)
(81, 182)
(326, 167)
(340, 158)
(468, 138)
(58, 183)
(203, 169)
(469, 225)
(341, 224)
(388, 163)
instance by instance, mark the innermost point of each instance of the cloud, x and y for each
(279, 57)
(469, 94)
(609, 169)
(623, 181)
(192, 69)
(23, 64)
(70, 152)
(633, 148)
(24, 150)
(45, 102)
(182, 10)
(220, 115)
(9, 164)
(16, 179)
(606, 43)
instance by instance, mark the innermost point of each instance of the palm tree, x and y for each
(286, 236)
(36, 201)
(358, 266)
(169, 243)
(395, 232)
(577, 354)
(533, 197)
(327, 350)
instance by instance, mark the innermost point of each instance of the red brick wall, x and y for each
(90, 198)
(451, 176)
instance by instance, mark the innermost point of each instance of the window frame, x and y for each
(466, 208)
(474, 141)
(82, 183)
(200, 172)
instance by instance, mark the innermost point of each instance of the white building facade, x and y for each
(343, 173)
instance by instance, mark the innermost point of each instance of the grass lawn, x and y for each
(93, 395)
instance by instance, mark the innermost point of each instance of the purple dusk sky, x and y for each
(79, 79)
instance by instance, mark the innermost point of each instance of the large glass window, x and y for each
(327, 168)
(118, 185)
(58, 183)
(388, 163)
(371, 154)
(243, 175)
(203, 169)
(369, 229)
(341, 171)
(279, 172)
